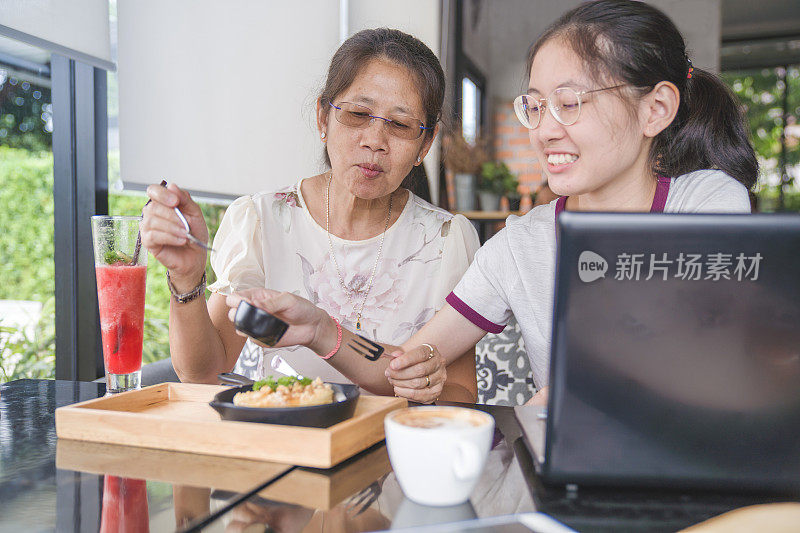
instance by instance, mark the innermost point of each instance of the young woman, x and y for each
(375, 257)
(621, 121)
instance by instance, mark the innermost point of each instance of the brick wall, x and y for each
(513, 147)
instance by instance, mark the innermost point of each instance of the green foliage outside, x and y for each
(25, 114)
(29, 356)
(26, 224)
(762, 93)
(26, 216)
(26, 259)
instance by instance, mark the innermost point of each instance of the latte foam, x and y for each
(439, 419)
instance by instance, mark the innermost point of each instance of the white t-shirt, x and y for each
(271, 240)
(514, 272)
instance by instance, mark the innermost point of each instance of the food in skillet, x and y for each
(285, 392)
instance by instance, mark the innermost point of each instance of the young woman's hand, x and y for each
(308, 324)
(164, 235)
(418, 374)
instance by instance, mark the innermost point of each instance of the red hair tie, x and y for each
(689, 75)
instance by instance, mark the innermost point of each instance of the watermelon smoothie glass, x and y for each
(121, 271)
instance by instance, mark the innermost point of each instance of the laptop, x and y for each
(675, 353)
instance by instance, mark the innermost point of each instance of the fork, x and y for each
(279, 364)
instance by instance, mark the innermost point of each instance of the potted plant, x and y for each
(464, 160)
(496, 180)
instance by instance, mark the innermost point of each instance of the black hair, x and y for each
(401, 48)
(637, 44)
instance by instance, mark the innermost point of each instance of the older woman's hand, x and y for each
(419, 374)
(164, 235)
(307, 321)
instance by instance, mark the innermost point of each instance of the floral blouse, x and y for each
(271, 240)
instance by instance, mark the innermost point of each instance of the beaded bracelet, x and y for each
(187, 297)
(338, 340)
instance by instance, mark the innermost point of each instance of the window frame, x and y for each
(80, 190)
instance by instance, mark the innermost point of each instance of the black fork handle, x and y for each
(232, 378)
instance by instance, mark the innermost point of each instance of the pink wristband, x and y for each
(338, 340)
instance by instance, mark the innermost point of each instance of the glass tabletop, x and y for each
(51, 484)
(47, 484)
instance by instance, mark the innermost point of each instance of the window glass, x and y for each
(27, 303)
(470, 109)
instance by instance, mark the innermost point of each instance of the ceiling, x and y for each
(747, 19)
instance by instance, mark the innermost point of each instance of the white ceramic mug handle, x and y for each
(466, 461)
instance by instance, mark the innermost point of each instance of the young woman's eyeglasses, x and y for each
(358, 116)
(564, 104)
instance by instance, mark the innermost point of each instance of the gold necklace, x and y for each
(347, 291)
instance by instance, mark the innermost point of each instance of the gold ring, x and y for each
(427, 381)
(430, 353)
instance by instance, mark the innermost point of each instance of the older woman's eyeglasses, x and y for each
(358, 116)
(564, 104)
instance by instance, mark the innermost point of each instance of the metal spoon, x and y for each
(182, 218)
(189, 236)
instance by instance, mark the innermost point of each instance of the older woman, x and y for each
(373, 256)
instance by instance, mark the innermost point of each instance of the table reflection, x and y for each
(124, 506)
(381, 505)
(191, 504)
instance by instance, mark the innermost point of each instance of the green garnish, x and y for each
(269, 382)
(117, 258)
(286, 381)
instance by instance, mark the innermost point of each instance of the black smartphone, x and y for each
(259, 324)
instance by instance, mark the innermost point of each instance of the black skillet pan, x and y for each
(345, 397)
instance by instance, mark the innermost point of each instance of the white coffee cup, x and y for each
(438, 453)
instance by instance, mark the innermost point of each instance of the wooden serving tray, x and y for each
(312, 488)
(176, 416)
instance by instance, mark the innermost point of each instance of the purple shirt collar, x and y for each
(659, 199)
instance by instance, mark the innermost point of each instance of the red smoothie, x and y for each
(120, 293)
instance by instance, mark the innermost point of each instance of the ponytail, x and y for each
(709, 131)
(635, 43)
